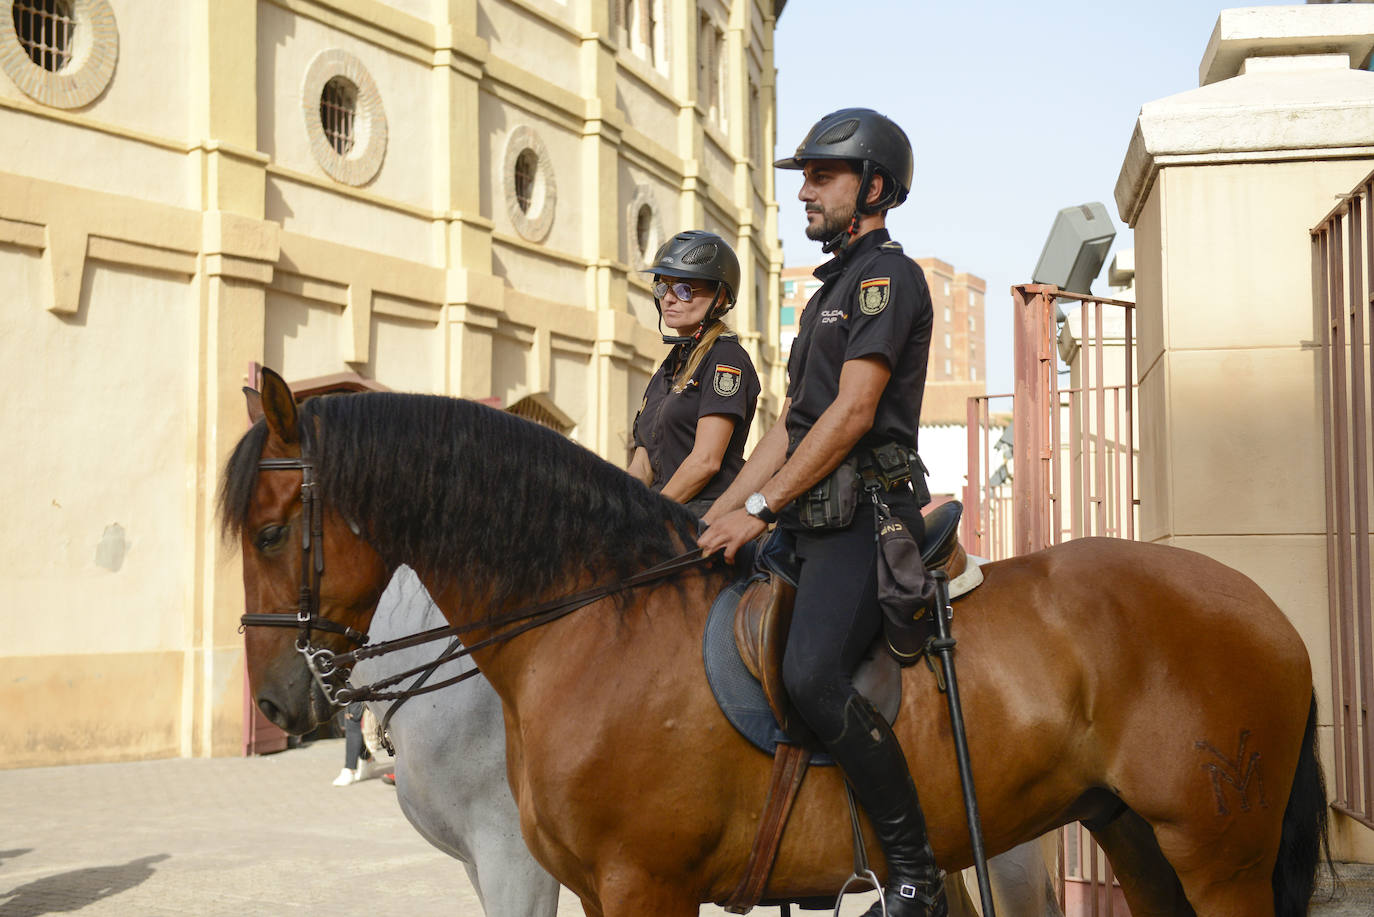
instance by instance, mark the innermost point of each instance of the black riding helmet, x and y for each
(698, 255)
(874, 142)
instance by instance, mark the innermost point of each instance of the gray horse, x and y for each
(451, 762)
(451, 780)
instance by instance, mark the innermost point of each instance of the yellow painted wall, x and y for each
(151, 252)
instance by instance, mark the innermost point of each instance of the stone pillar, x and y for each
(472, 295)
(1222, 185)
(238, 250)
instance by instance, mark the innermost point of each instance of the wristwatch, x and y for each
(757, 506)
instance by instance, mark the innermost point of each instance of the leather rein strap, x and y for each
(330, 670)
(525, 619)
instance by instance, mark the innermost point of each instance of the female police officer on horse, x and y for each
(690, 431)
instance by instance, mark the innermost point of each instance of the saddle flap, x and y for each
(762, 621)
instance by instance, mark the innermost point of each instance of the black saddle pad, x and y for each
(738, 693)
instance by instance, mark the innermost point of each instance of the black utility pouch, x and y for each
(891, 464)
(830, 504)
(905, 592)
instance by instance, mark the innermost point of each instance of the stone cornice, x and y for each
(1255, 117)
(1270, 31)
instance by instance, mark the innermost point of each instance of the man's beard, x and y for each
(830, 226)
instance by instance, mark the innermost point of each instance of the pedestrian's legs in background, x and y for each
(355, 752)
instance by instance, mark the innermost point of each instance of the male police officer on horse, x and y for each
(856, 376)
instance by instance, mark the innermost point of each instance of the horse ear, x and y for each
(279, 407)
(254, 404)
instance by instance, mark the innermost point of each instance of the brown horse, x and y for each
(1150, 692)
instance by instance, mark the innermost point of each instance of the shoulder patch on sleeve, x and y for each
(726, 381)
(874, 294)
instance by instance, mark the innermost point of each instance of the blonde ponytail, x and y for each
(699, 351)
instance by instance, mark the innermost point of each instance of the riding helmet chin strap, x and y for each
(841, 240)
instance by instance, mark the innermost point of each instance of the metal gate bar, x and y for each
(1343, 292)
(1073, 453)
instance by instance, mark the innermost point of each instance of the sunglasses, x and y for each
(683, 291)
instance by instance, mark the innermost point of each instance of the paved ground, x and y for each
(222, 836)
(248, 836)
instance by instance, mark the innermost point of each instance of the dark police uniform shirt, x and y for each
(873, 302)
(666, 425)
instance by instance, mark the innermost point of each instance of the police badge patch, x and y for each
(727, 380)
(873, 295)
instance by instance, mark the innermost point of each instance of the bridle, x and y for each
(330, 670)
(318, 660)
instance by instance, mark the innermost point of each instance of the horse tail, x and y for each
(1304, 843)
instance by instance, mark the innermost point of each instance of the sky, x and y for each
(1015, 110)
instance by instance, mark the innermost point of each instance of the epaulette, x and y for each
(728, 334)
(891, 246)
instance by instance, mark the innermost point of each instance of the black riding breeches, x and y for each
(836, 617)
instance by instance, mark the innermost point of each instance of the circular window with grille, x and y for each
(530, 189)
(344, 117)
(643, 227)
(61, 53)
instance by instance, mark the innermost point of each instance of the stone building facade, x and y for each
(451, 196)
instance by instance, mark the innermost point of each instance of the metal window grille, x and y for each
(643, 224)
(338, 113)
(45, 29)
(526, 165)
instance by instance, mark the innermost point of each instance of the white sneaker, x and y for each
(346, 777)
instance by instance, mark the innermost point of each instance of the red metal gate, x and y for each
(1343, 291)
(1073, 474)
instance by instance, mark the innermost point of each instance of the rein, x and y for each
(330, 670)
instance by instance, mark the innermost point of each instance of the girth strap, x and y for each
(789, 768)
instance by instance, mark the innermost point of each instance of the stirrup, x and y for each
(862, 871)
(871, 878)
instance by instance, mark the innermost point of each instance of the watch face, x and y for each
(755, 504)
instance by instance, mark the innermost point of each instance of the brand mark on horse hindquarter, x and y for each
(1236, 771)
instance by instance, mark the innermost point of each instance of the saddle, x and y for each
(762, 619)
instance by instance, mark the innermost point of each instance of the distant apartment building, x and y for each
(958, 351)
(798, 285)
(958, 355)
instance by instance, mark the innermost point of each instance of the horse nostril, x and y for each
(270, 710)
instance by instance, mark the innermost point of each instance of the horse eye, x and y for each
(270, 537)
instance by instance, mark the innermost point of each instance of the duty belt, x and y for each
(890, 465)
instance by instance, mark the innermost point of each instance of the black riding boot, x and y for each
(868, 753)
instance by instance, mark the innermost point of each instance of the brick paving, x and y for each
(249, 836)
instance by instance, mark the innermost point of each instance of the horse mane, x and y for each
(472, 493)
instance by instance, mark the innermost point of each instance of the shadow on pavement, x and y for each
(71, 891)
